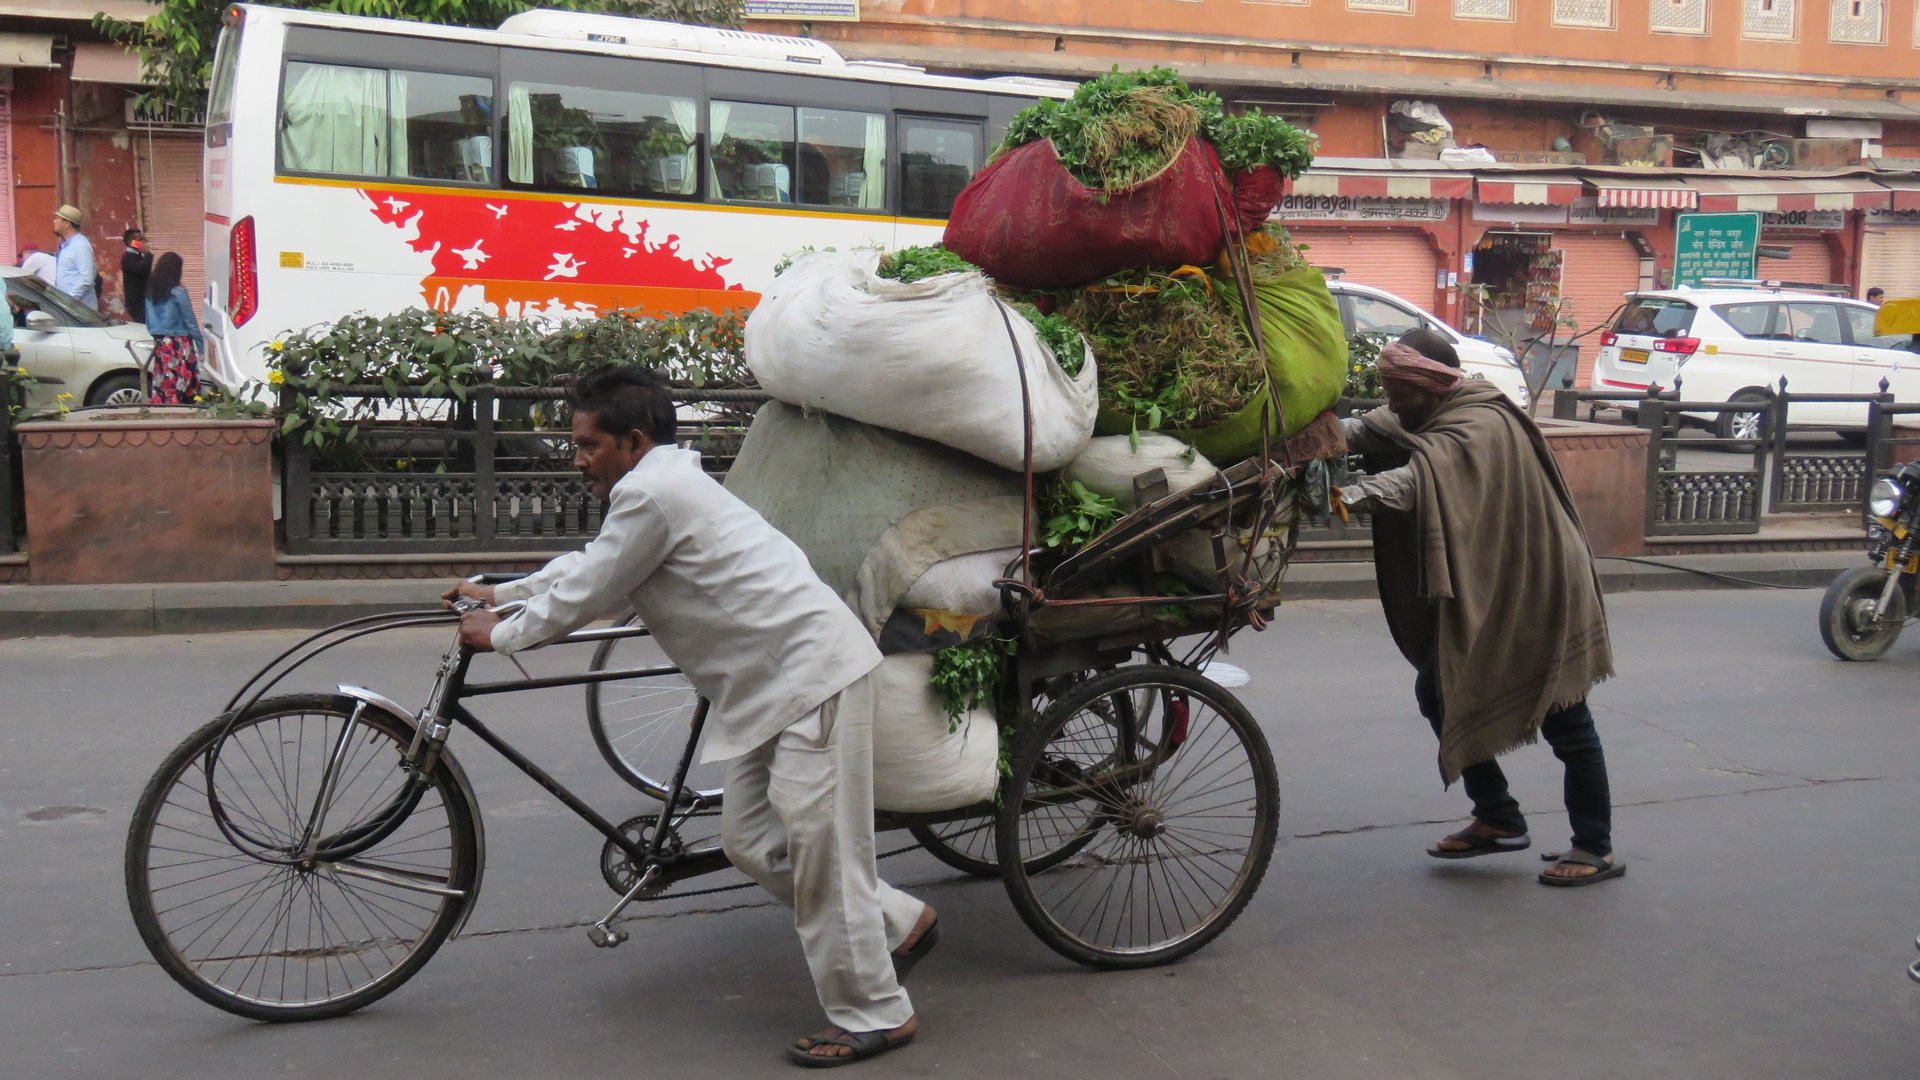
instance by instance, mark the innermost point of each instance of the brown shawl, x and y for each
(1493, 570)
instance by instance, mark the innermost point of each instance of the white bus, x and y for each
(564, 164)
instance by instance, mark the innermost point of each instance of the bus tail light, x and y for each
(243, 275)
(1685, 346)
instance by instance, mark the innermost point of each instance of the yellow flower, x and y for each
(277, 346)
(64, 397)
(23, 372)
(278, 377)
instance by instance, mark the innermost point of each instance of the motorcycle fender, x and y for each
(381, 701)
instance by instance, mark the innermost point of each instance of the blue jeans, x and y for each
(1571, 733)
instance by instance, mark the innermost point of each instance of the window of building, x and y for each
(1677, 16)
(1857, 22)
(359, 121)
(1592, 14)
(1501, 10)
(1385, 7)
(937, 159)
(587, 138)
(780, 154)
(1770, 19)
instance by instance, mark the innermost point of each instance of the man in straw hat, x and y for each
(74, 270)
(1489, 590)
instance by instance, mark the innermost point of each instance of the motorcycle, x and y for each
(1866, 607)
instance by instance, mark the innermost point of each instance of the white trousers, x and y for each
(798, 819)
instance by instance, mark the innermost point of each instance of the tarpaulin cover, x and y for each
(1027, 222)
(1306, 352)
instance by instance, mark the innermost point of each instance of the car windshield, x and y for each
(1655, 317)
(28, 293)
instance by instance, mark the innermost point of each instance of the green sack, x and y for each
(1306, 352)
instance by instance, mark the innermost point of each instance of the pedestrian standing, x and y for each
(1876, 296)
(1488, 585)
(177, 341)
(74, 271)
(37, 262)
(136, 265)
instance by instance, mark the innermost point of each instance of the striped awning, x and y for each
(1719, 194)
(1650, 191)
(1383, 184)
(1906, 193)
(1529, 190)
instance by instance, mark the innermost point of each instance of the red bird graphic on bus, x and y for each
(551, 256)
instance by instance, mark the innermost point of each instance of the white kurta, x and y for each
(732, 602)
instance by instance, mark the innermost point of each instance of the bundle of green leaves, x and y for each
(1078, 514)
(1126, 127)
(966, 676)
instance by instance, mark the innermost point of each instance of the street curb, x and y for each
(224, 606)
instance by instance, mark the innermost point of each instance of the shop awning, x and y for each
(1529, 190)
(105, 62)
(1648, 191)
(26, 50)
(1906, 193)
(1384, 184)
(1719, 194)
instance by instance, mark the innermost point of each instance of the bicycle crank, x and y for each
(617, 867)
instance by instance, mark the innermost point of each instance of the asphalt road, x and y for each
(1766, 796)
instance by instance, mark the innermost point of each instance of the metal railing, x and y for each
(13, 523)
(494, 488)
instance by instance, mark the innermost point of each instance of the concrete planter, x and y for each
(114, 496)
(1606, 469)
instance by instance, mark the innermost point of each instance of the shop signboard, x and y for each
(810, 10)
(1715, 246)
(1586, 210)
(1825, 220)
(1893, 217)
(1357, 208)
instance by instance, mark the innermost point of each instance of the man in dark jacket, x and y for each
(1489, 591)
(136, 266)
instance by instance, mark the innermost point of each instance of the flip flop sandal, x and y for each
(905, 959)
(864, 1044)
(1604, 869)
(1478, 845)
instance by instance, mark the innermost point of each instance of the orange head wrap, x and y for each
(1404, 364)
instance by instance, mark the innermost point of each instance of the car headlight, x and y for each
(1883, 500)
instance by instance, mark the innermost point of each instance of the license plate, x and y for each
(1633, 356)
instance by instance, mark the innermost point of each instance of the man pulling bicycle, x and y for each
(784, 665)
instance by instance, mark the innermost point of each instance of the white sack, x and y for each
(1109, 463)
(917, 766)
(962, 584)
(930, 358)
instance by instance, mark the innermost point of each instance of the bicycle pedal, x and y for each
(606, 937)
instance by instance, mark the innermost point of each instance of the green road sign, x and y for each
(1715, 246)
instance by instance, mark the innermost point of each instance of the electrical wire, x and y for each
(1751, 582)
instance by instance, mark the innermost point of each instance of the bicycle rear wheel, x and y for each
(1160, 785)
(276, 891)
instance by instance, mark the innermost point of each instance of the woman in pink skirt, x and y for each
(176, 335)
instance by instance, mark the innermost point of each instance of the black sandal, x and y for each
(1478, 845)
(864, 1044)
(1603, 870)
(905, 959)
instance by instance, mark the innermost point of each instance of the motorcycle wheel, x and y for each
(1844, 625)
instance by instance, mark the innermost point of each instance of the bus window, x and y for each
(937, 159)
(357, 121)
(609, 140)
(843, 158)
(753, 152)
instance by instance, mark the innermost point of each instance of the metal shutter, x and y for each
(1809, 261)
(1596, 271)
(171, 211)
(1890, 259)
(6, 190)
(1397, 260)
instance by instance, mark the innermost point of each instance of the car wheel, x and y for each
(1744, 425)
(118, 389)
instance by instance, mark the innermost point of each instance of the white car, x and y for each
(68, 348)
(1737, 343)
(1367, 310)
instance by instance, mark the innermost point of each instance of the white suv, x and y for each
(1367, 310)
(1735, 344)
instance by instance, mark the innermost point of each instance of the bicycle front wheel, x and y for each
(287, 865)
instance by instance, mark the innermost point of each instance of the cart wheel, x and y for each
(971, 845)
(1157, 789)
